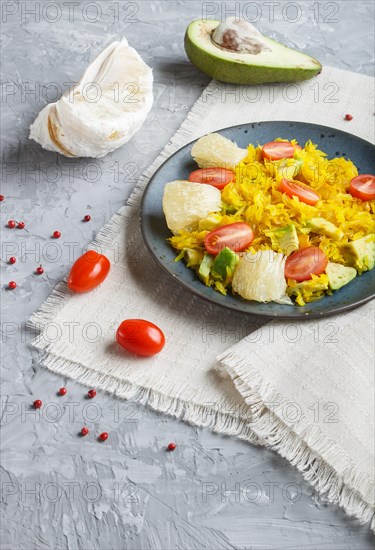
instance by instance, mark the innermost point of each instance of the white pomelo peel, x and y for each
(103, 111)
(185, 203)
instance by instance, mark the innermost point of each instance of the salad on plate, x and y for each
(273, 222)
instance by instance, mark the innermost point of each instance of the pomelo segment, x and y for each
(260, 277)
(214, 150)
(185, 203)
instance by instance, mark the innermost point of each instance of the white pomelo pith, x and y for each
(185, 203)
(214, 150)
(269, 61)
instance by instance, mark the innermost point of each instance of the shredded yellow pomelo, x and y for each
(254, 197)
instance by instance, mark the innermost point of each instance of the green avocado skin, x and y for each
(243, 73)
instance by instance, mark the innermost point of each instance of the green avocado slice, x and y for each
(339, 275)
(205, 268)
(276, 63)
(193, 257)
(284, 239)
(360, 253)
(324, 227)
(224, 265)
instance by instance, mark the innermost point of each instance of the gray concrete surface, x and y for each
(58, 490)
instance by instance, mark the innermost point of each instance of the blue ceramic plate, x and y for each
(155, 232)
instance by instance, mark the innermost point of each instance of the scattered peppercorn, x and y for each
(87, 218)
(39, 270)
(348, 117)
(21, 225)
(11, 224)
(91, 393)
(103, 436)
(12, 285)
(12, 260)
(84, 431)
(63, 391)
(56, 234)
(171, 446)
(37, 404)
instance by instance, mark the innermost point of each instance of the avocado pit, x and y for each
(239, 36)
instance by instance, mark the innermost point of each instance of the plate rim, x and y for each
(299, 315)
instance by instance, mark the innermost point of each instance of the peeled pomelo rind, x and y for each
(80, 125)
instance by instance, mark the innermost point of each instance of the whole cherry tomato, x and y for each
(140, 337)
(88, 271)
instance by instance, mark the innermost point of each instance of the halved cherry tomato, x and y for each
(217, 177)
(277, 150)
(88, 271)
(236, 236)
(305, 262)
(140, 337)
(297, 189)
(363, 187)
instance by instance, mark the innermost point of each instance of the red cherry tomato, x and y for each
(363, 187)
(88, 271)
(140, 337)
(217, 177)
(236, 236)
(277, 150)
(297, 189)
(305, 262)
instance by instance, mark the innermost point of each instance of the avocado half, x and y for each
(278, 64)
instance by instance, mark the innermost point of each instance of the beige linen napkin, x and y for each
(305, 390)
(310, 386)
